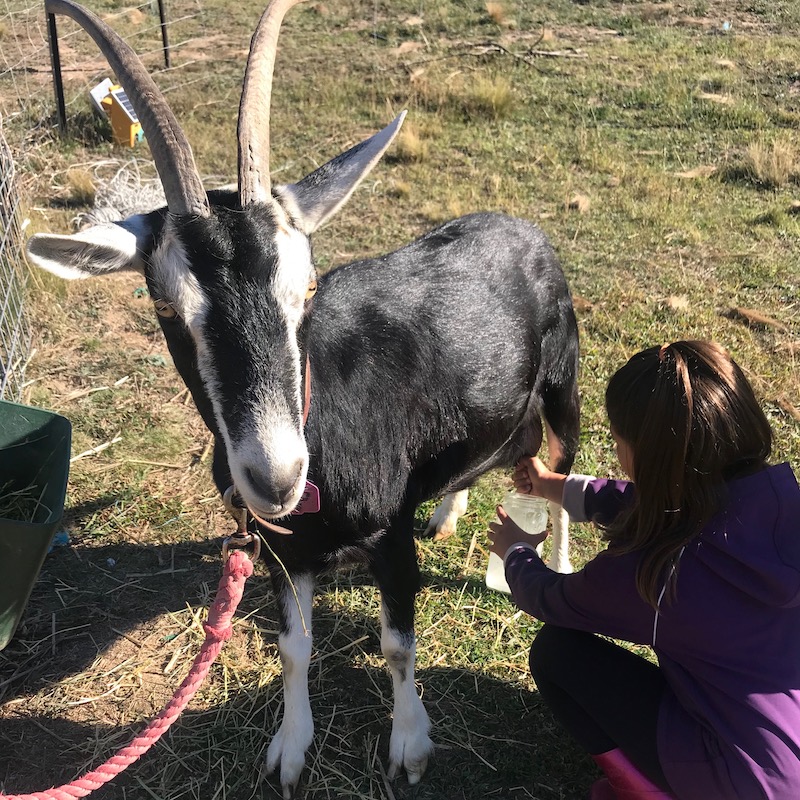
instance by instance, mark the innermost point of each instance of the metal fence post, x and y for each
(164, 38)
(55, 63)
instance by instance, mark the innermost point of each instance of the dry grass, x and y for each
(580, 203)
(402, 189)
(497, 13)
(435, 213)
(409, 145)
(769, 165)
(21, 504)
(772, 165)
(652, 12)
(487, 97)
(80, 187)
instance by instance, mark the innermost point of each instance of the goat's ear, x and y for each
(316, 198)
(98, 250)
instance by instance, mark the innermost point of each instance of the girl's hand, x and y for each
(506, 532)
(531, 476)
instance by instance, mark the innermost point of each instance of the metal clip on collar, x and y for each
(242, 540)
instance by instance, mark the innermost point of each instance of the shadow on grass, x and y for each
(86, 597)
(480, 752)
(494, 739)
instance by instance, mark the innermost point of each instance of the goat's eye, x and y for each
(312, 288)
(165, 309)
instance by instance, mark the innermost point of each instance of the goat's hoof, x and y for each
(412, 756)
(289, 791)
(289, 759)
(444, 520)
(440, 528)
(416, 770)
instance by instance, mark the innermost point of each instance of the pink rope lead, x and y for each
(218, 628)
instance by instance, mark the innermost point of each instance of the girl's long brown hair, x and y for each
(692, 421)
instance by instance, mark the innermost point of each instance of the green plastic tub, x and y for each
(34, 467)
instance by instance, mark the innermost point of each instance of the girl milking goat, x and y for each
(702, 564)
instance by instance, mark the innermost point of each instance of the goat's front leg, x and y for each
(397, 575)
(288, 748)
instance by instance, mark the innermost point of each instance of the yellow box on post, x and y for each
(125, 126)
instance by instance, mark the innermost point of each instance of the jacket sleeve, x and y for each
(589, 499)
(600, 598)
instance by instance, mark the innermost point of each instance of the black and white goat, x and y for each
(427, 366)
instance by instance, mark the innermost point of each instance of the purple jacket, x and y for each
(728, 645)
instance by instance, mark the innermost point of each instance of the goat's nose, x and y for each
(277, 486)
(286, 494)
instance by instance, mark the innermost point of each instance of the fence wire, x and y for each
(15, 336)
(28, 118)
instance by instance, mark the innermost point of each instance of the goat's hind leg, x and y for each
(562, 422)
(559, 551)
(397, 574)
(287, 749)
(445, 517)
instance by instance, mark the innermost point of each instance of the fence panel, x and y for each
(14, 328)
(28, 119)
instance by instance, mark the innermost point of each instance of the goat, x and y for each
(427, 367)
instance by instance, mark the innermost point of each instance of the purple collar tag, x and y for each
(309, 502)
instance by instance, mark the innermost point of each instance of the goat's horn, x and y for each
(170, 148)
(254, 181)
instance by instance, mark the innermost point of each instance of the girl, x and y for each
(702, 564)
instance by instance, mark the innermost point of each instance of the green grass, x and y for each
(657, 121)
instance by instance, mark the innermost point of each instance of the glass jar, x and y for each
(530, 513)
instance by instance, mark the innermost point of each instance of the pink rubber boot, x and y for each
(623, 780)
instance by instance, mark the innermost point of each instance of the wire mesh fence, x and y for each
(14, 327)
(26, 87)
(28, 118)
